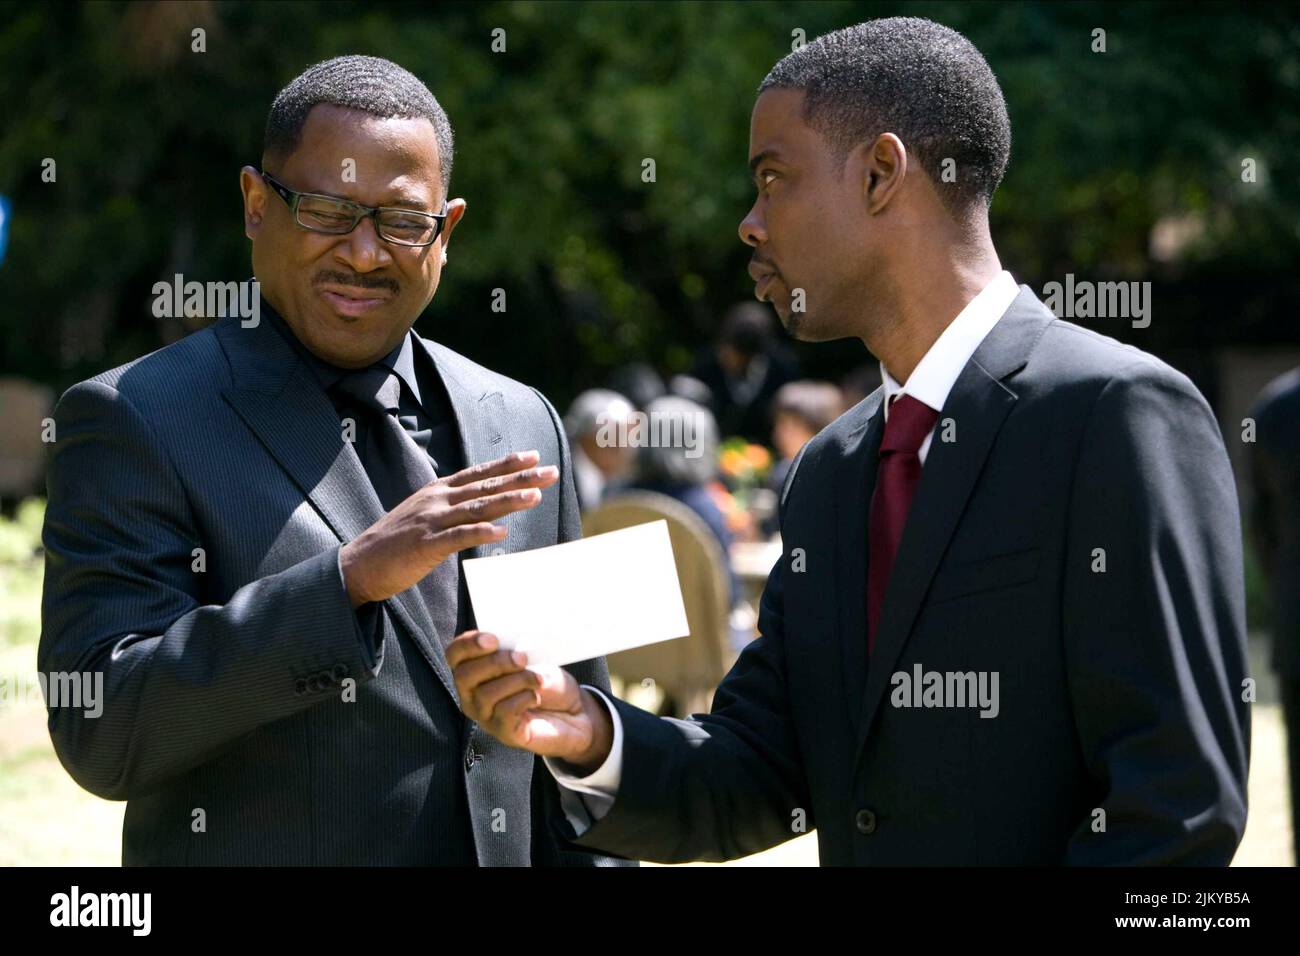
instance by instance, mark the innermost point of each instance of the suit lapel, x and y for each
(854, 482)
(480, 414)
(283, 404)
(977, 406)
(281, 401)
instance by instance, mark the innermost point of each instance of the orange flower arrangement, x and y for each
(744, 467)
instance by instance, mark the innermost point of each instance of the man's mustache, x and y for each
(356, 281)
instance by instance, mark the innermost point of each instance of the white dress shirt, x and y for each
(937, 372)
(589, 798)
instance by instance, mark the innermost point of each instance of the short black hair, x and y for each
(747, 328)
(915, 78)
(370, 84)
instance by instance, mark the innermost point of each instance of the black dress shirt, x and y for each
(425, 410)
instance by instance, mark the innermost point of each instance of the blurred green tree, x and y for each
(599, 268)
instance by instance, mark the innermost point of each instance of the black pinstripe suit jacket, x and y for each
(225, 724)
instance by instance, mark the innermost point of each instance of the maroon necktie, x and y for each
(897, 475)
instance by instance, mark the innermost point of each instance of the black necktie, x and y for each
(397, 468)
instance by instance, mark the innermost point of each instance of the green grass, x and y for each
(45, 818)
(21, 572)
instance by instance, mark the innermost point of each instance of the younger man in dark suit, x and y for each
(1008, 626)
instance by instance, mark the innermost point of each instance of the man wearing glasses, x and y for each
(254, 534)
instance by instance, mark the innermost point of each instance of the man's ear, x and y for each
(883, 169)
(255, 192)
(455, 210)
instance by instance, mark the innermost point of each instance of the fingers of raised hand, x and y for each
(462, 536)
(515, 461)
(542, 477)
(490, 507)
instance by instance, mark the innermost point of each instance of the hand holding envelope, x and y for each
(541, 709)
(540, 609)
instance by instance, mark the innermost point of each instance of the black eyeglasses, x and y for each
(338, 217)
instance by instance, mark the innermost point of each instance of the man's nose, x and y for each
(753, 231)
(363, 250)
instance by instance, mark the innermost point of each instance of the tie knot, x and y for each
(377, 388)
(909, 422)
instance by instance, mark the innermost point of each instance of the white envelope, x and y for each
(582, 599)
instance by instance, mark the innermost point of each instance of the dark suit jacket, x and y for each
(1275, 474)
(1119, 691)
(223, 686)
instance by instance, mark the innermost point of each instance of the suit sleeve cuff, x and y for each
(585, 799)
(369, 622)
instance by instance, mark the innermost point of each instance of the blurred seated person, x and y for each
(743, 370)
(595, 417)
(677, 455)
(799, 411)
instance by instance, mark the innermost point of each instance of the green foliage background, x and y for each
(599, 267)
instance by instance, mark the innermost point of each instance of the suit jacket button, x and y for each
(865, 821)
(472, 756)
(300, 686)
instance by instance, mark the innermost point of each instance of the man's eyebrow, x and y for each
(761, 157)
(408, 202)
(403, 200)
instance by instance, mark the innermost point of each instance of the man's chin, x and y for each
(348, 344)
(795, 323)
(805, 327)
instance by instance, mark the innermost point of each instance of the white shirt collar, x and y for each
(937, 372)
